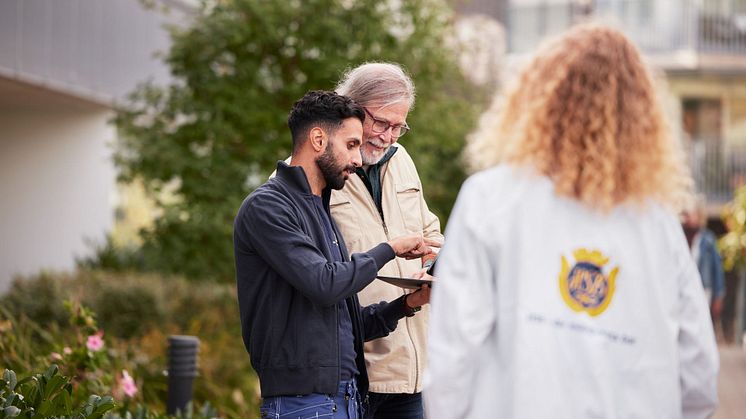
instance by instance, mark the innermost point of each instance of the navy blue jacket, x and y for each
(288, 289)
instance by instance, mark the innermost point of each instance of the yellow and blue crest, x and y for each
(585, 286)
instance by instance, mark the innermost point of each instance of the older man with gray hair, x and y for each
(385, 199)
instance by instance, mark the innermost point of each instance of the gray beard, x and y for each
(369, 160)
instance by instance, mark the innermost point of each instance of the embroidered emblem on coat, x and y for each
(585, 286)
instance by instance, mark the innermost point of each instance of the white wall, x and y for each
(94, 49)
(57, 181)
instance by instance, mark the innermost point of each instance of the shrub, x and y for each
(22, 341)
(47, 395)
(145, 309)
(733, 244)
(40, 300)
(93, 364)
(127, 311)
(108, 255)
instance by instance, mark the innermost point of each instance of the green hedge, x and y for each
(136, 313)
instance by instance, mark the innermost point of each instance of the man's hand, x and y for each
(413, 246)
(419, 297)
(428, 260)
(422, 274)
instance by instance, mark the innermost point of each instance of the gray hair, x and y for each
(377, 83)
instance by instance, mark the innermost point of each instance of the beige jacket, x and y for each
(395, 363)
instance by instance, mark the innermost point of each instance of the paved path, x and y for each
(732, 383)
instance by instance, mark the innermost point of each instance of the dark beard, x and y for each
(333, 173)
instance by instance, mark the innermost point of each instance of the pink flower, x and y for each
(127, 384)
(55, 356)
(66, 350)
(95, 342)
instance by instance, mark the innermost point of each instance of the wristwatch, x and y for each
(410, 311)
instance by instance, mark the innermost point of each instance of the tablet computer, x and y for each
(410, 283)
(431, 269)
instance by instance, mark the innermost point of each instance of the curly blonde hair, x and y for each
(584, 113)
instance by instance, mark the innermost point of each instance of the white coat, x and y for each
(545, 308)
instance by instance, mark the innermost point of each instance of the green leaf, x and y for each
(26, 380)
(44, 409)
(32, 390)
(68, 403)
(54, 385)
(51, 371)
(90, 405)
(62, 404)
(103, 405)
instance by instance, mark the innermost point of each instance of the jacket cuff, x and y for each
(382, 254)
(396, 310)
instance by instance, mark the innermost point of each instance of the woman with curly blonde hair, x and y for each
(566, 289)
(585, 114)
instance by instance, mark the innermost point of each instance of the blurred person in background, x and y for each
(703, 245)
(565, 287)
(384, 198)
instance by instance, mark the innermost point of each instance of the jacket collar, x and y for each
(295, 177)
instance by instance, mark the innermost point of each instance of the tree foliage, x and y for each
(204, 142)
(733, 244)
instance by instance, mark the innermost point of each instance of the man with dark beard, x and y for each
(301, 320)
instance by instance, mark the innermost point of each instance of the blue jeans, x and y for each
(395, 406)
(343, 405)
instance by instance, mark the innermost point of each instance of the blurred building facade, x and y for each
(64, 64)
(480, 40)
(700, 45)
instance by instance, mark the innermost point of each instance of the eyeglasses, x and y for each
(380, 126)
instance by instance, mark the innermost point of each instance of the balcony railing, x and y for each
(718, 168)
(657, 26)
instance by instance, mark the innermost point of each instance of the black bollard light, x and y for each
(182, 368)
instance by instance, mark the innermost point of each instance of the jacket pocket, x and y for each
(346, 218)
(409, 195)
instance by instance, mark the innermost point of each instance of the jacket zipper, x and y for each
(372, 201)
(383, 221)
(406, 319)
(339, 354)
